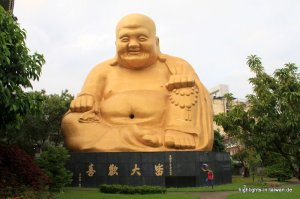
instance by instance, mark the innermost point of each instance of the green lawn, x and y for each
(237, 182)
(173, 193)
(87, 193)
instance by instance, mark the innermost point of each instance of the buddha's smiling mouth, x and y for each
(134, 52)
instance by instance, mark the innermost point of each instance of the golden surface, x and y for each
(140, 100)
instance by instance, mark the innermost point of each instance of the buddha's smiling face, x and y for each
(136, 43)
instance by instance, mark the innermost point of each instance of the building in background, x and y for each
(219, 102)
(221, 105)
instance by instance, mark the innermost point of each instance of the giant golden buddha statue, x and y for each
(141, 100)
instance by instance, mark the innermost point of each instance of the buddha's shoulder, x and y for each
(173, 60)
(105, 65)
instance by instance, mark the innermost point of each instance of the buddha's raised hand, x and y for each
(82, 103)
(180, 81)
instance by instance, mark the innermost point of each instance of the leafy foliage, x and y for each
(280, 170)
(254, 160)
(17, 68)
(270, 122)
(219, 145)
(53, 161)
(241, 156)
(18, 169)
(42, 124)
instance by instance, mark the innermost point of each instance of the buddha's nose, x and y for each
(133, 44)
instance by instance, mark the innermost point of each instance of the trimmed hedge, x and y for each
(126, 189)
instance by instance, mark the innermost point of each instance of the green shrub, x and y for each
(279, 171)
(53, 161)
(126, 189)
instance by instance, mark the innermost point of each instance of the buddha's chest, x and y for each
(135, 96)
(121, 79)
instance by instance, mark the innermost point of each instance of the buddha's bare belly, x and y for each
(135, 107)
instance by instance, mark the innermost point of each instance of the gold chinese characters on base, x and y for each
(141, 100)
(113, 171)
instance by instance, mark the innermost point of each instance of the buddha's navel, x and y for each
(134, 107)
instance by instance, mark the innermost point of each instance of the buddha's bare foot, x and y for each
(152, 140)
(149, 137)
(179, 140)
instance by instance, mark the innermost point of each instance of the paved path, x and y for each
(210, 195)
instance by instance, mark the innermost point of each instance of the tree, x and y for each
(254, 161)
(271, 120)
(53, 161)
(42, 123)
(219, 145)
(279, 170)
(241, 156)
(54, 108)
(17, 68)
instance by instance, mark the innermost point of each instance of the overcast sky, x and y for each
(214, 36)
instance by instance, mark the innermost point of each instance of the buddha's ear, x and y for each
(157, 46)
(157, 41)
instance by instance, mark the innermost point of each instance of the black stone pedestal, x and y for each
(167, 169)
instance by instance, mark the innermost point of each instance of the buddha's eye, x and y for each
(124, 39)
(143, 38)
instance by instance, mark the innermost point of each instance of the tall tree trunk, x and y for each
(246, 172)
(298, 173)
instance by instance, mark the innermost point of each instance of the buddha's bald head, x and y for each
(136, 21)
(136, 41)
